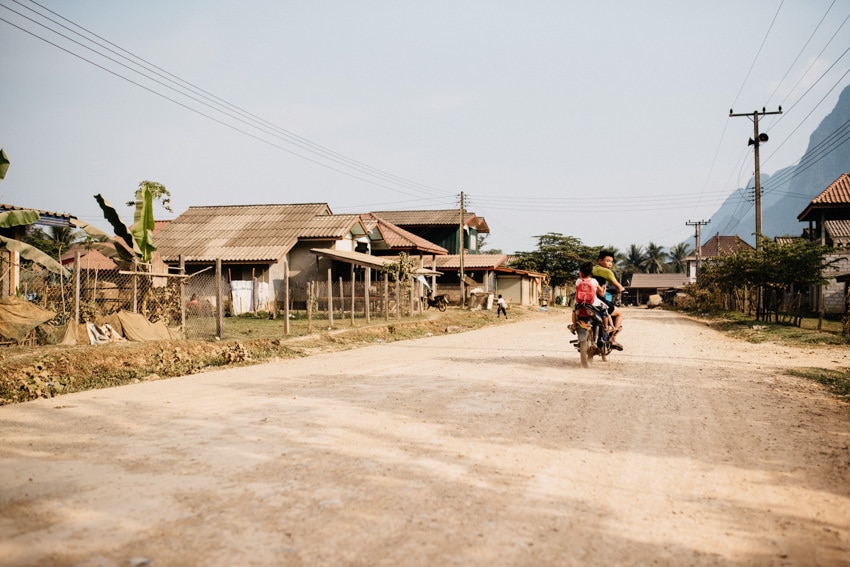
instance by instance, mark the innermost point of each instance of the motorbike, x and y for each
(438, 301)
(591, 337)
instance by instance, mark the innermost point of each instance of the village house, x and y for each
(440, 227)
(828, 218)
(259, 247)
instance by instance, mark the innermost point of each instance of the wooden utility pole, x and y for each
(756, 141)
(460, 246)
(697, 242)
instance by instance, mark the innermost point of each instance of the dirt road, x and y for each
(486, 448)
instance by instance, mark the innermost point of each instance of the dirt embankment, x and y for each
(492, 447)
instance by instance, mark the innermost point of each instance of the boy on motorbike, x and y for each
(585, 272)
(603, 274)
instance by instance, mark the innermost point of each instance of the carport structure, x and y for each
(358, 261)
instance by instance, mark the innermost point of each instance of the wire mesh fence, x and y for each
(194, 306)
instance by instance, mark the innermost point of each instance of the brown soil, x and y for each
(492, 447)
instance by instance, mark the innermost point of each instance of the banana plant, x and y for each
(24, 217)
(139, 237)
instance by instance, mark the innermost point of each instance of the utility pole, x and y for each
(697, 241)
(756, 141)
(460, 246)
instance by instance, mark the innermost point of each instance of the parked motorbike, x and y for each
(591, 337)
(438, 301)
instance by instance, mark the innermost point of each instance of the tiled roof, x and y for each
(837, 192)
(89, 259)
(442, 217)
(658, 281)
(397, 238)
(471, 261)
(720, 245)
(837, 228)
(246, 233)
(836, 195)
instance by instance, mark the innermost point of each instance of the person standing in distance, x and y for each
(605, 276)
(500, 307)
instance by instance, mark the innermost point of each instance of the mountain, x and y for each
(788, 191)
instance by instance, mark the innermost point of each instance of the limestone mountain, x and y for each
(787, 192)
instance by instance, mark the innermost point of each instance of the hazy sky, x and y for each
(607, 121)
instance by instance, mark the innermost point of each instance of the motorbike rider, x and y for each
(585, 272)
(605, 276)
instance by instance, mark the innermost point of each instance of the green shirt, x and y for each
(602, 273)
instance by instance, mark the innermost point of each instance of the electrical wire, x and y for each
(230, 111)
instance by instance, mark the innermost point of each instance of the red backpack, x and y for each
(585, 292)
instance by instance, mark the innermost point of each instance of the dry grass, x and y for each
(28, 373)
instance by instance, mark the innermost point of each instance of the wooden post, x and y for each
(397, 299)
(219, 300)
(286, 295)
(330, 299)
(367, 281)
(309, 307)
(135, 288)
(386, 296)
(352, 295)
(76, 288)
(182, 264)
(341, 298)
(434, 277)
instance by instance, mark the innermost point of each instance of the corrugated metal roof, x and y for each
(352, 257)
(441, 217)
(471, 261)
(332, 226)
(658, 281)
(48, 218)
(244, 233)
(837, 194)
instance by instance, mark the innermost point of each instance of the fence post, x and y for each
(330, 299)
(367, 281)
(309, 307)
(219, 300)
(352, 295)
(286, 295)
(182, 264)
(397, 299)
(77, 287)
(386, 296)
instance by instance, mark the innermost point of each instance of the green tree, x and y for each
(634, 261)
(677, 256)
(55, 241)
(10, 219)
(772, 266)
(557, 256)
(656, 258)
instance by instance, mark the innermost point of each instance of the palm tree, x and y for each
(655, 258)
(633, 262)
(677, 255)
(55, 241)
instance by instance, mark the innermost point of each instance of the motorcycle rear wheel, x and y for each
(441, 306)
(584, 350)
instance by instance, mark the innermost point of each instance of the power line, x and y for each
(800, 53)
(196, 94)
(753, 64)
